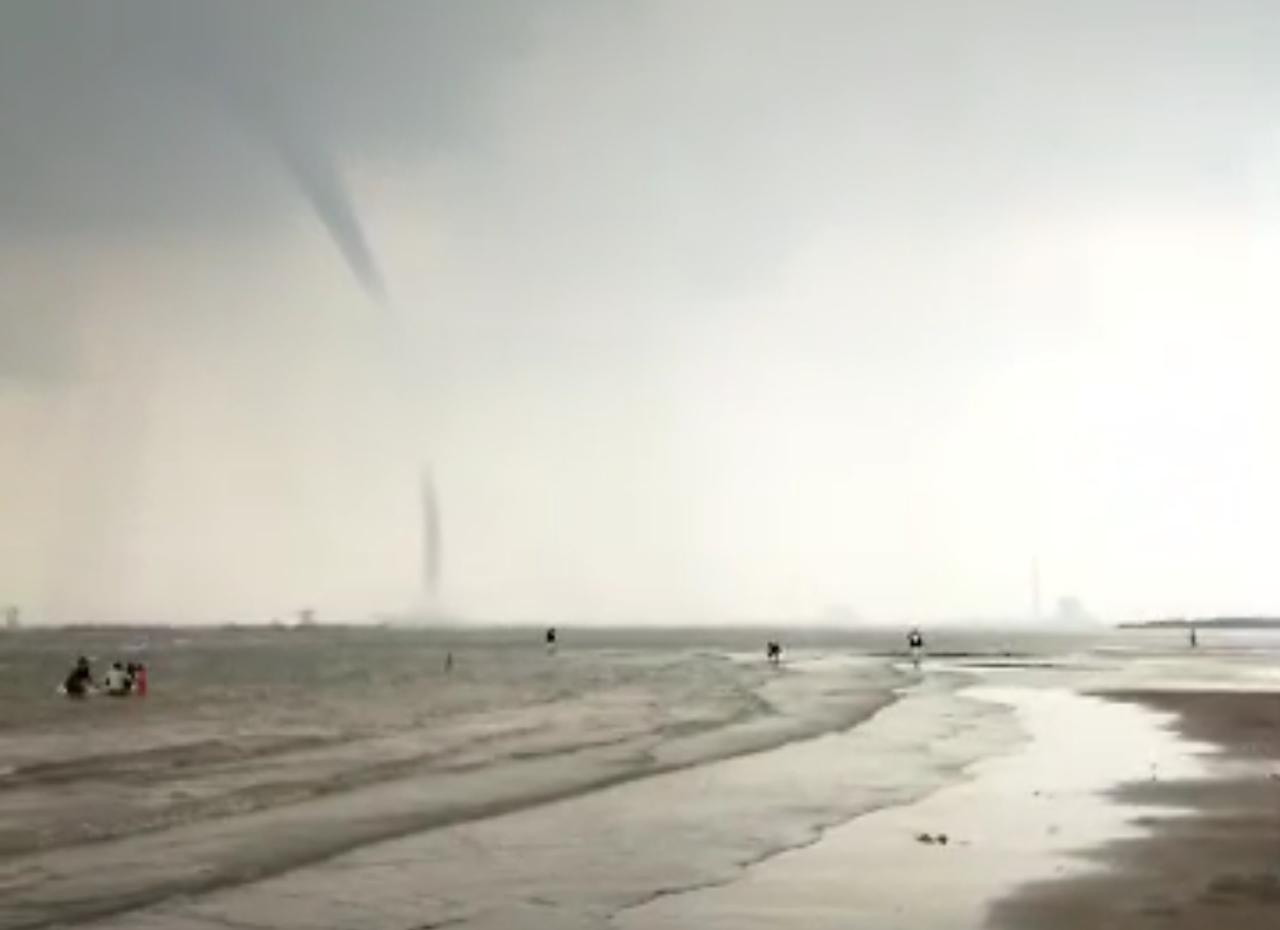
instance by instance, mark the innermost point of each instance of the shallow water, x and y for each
(590, 860)
(261, 754)
(281, 749)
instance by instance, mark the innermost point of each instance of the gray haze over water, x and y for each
(699, 311)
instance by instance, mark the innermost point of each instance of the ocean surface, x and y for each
(259, 752)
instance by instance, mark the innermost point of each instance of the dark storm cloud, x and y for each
(705, 136)
(127, 113)
(672, 149)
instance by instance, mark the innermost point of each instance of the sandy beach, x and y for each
(1106, 786)
(1218, 865)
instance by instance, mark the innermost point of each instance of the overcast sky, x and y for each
(699, 311)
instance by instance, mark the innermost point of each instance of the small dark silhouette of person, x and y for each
(1193, 638)
(551, 639)
(80, 680)
(915, 644)
(773, 652)
(448, 661)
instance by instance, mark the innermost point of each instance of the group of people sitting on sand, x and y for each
(120, 680)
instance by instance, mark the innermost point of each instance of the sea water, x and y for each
(261, 752)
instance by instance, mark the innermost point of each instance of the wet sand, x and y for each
(1217, 867)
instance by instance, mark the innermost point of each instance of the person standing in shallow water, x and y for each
(551, 639)
(915, 645)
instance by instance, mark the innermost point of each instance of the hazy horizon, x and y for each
(694, 311)
(411, 621)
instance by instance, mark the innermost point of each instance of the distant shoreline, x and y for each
(1212, 623)
(791, 627)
